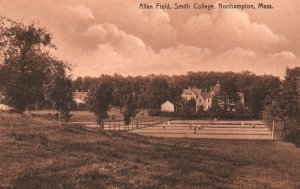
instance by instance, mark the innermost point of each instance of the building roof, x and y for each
(80, 97)
(167, 102)
(241, 95)
(4, 107)
(196, 91)
(190, 91)
(78, 101)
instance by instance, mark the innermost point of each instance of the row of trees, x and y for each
(30, 75)
(285, 103)
(126, 93)
(261, 93)
(151, 91)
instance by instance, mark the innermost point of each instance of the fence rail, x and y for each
(134, 124)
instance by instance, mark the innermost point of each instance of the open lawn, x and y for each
(35, 153)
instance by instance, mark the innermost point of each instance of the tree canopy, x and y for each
(29, 73)
(100, 98)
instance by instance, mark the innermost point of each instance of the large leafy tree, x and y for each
(215, 109)
(287, 99)
(285, 105)
(127, 99)
(59, 90)
(26, 68)
(189, 107)
(139, 86)
(289, 95)
(230, 90)
(158, 92)
(100, 99)
(258, 91)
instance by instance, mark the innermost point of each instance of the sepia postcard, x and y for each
(150, 94)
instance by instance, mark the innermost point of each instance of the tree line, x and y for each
(280, 99)
(149, 92)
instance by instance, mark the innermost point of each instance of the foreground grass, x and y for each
(35, 153)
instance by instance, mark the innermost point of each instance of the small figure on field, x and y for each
(200, 127)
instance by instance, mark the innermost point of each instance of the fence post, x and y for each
(59, 118)
(273, 129)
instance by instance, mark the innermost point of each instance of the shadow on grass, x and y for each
(48, 178)
(29, 137)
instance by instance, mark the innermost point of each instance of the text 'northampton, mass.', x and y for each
(202, 6)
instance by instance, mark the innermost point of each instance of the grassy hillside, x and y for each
(38, 154)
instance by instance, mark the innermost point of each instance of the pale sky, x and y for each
(115, 36)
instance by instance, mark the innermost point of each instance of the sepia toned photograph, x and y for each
(149, 94)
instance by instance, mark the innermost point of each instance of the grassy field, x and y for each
(77, 116)
(35, 153)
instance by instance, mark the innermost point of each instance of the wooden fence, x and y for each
(276, 126)
(134, 124)
(12, 120)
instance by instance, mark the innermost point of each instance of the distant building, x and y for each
(203, 99)
(115, 113)
(142, 113)
(230, 105)
(190, 93)
(242, 98)
(167, 107)
(4, 107)
(80, 97)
